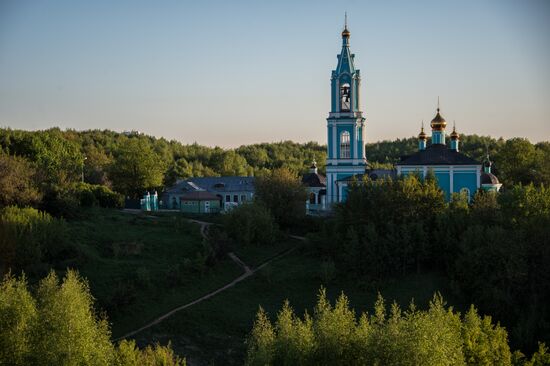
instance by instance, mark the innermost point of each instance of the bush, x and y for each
(17, 182)
(129, 355)
(29, 237)
(96, 195)
(335, 335)
(58, 326)
(283, 194)
(251, 224)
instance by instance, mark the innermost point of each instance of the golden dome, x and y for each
(455, 135)
(346, 33)
(438, 123)
(422, 135)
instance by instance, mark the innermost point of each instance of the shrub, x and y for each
(17, 182)
(58, 326)
(251, 223)
(128, 354)
(29, 237)
(97, 195)
(335, 335)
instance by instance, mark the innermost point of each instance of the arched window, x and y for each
(466, 192)
(312, 198)
(345, 97)
(344, 145)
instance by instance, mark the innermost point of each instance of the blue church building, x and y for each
(345, 125)
(454, 171)
(346, 161)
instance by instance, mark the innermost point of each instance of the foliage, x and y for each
(96, 195)
(283, 194)
(137, 167)
(133, 162)
(381, 229)
(59, 326)
(495, 250)
(335, 335)
(29, 237)
(128, 354)
(251, 224)
(17, 182)
(18, 315)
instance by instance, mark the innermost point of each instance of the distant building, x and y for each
(199, 202)
(345, 126)
(454, 171)
(214, 193)
(347, 162)
(317, 190)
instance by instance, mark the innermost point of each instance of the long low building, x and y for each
(220, 193)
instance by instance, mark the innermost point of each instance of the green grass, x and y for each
(132, 261)
(254, 255)
(134, 257)
(213, 331)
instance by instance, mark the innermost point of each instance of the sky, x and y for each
(230, 73)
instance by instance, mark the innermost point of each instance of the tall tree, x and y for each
(136, 168)
(17, 182)
(283, 194)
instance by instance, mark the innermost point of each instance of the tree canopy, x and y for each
(336, 335)
(59, 326)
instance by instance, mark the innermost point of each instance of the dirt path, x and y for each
(204, 232)
(247, 273)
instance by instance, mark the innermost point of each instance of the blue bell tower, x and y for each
(345, 125)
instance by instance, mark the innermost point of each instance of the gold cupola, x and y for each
(438, 123)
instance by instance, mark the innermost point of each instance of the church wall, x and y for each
(444, 182)
(465, 180)
(360, 144)
(329, 142)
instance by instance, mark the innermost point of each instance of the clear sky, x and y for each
(237, 72)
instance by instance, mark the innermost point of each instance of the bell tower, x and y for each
(345, 125)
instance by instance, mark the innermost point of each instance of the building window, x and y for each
(312, 198)
(243, 197)
(344, 145)
(235, 198)
(345, 97)
(227, 198)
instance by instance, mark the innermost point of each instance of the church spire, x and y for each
(346, 33)
(345, 58)
(455, 137)
(422, 138)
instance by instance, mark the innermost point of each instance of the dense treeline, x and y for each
(495, 250)
(42, 165)
(336, 335)
(131, 163)
(57, 325)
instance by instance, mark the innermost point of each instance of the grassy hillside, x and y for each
(142, 266)
(212, 332)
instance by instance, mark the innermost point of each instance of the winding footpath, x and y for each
(247, 273)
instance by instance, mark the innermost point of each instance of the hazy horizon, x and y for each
(231, 74)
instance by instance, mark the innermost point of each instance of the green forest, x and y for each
(432, 282)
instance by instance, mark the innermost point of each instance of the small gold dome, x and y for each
(438, 123)
(455, 135)
(422, 135)
(346, 33)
